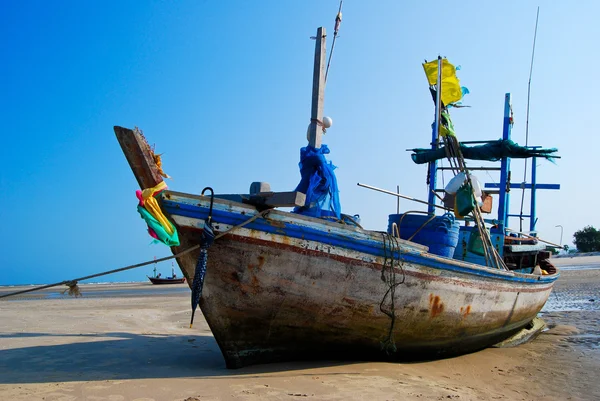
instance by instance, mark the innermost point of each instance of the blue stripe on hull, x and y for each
(370, 247)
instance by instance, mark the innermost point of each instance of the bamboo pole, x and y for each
(537, 238)
(401, 196)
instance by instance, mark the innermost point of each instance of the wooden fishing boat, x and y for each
(282, 285)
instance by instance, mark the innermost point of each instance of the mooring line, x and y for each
(72, 284)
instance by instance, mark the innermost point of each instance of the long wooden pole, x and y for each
(318, 92)
(537, 238)
(401, 196)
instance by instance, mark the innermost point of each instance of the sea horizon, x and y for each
(79, 283)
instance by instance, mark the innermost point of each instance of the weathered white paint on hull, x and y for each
(269, 296)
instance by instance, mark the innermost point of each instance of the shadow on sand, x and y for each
(122, 356)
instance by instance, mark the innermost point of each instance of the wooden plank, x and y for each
(525, 248)
(268, 199)
(259, 186)
(318, 91)
(139, 155)
(517, 185)
(280, 199)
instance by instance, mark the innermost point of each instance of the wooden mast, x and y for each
(318, 91)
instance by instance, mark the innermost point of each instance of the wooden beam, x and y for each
(139, 155)
(267, 199)
(474, 168)
(525, 248)
(518, 185)
(318, 91)
(280, 199)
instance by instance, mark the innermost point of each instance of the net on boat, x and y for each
(492, 151)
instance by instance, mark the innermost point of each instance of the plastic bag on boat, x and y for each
(476, 186)
(458, 180)
(464, 203)
(475, 244)
(455, 183)
(477, 190)
(318, 183)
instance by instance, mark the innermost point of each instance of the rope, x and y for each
(338, 21)
(389, 345)
(72, 284)
(454, 154)
(319, 123)
(492, 257)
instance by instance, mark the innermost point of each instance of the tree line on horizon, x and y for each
(587, 239)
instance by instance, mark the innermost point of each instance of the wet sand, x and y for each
(133, 342)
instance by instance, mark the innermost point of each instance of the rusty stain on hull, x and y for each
(435, 305)
(261, 262)
(465, 311)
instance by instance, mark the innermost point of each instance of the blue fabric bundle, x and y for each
(318, 183)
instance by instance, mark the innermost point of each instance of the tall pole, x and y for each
(532, 214)
(434, 139)
(318, 92)
(561, 233)
(504, 196)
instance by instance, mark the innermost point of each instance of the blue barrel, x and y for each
(440, 234)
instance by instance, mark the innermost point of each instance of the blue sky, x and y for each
(223, 89)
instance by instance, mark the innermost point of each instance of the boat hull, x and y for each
(273, 292)
(162, 281)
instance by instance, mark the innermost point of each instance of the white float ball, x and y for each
(327, 121)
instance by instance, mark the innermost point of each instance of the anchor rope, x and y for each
(338, 21)
(72, 284)
(391, 245)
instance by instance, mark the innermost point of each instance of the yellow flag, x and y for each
(451, 91)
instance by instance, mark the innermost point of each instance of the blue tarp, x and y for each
(318, 183)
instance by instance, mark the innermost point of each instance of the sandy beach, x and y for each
(133, 342)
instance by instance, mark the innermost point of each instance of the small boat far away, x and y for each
(157, 279)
